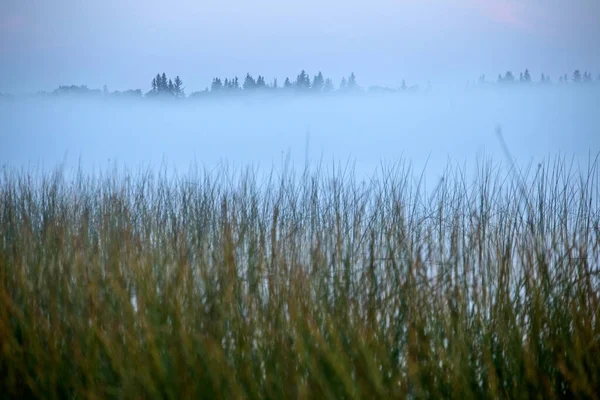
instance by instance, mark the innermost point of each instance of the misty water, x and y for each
(366, 130)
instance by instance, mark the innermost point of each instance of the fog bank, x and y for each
(437, 128)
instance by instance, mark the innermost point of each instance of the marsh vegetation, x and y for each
(303, 284)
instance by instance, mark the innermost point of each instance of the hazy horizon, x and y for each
(124, 44)
(538, 123)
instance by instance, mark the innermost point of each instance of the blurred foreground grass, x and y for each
(303, 286)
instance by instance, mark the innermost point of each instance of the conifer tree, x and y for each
(216, 85)
(158, 83)
(260, 82)
(249, 82)
(328, 86)
(527, 76)
(587, 77)
(318, 82)
(164, 83)
(287, 84)
(179, 92)
(352, 82)
(576, 76)
(343, 84)
(303, 81)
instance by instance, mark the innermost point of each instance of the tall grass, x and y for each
(306, 285)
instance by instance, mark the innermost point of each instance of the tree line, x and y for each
(163, 86)
(319, 84)
(302, 83)
(160, 85)
(525, 77)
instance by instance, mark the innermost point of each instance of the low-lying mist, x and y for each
(363, 130)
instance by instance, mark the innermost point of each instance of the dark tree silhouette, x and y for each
(230, 84)
(526, 76)
(287, 84)
(587, 77)
(260, 82)
(249, 82)
(352, 82)
(159, 85)
(318, 82)
(328, 86)
(164, 84)
(216, 85)
(179, 87)
(576, 76)
(343, 84)
(303, 81)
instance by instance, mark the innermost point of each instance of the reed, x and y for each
(304, 285)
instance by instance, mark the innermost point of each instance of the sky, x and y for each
(124, 43)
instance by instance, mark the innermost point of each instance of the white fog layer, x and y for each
(366, 130)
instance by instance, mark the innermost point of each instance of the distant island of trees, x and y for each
(525, 77)
(162, 86)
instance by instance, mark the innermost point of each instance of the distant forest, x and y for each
(162, 86)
